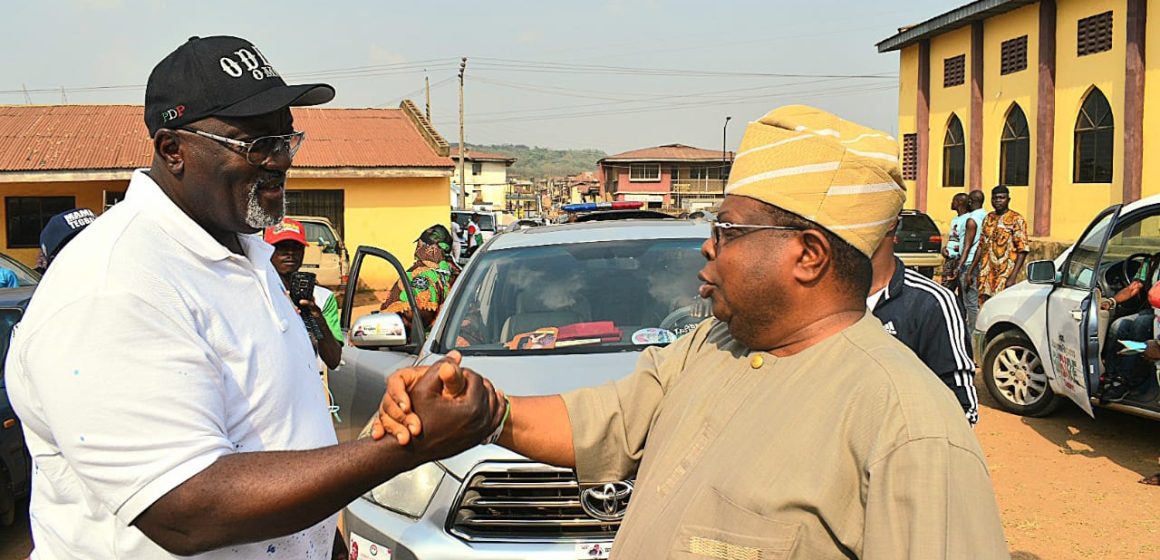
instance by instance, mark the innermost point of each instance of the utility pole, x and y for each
(462, 148)
(27, 98)
(427, 82)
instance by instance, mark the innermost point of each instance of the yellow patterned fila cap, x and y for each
(835, 173)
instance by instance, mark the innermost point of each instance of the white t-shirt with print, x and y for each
(148, 352)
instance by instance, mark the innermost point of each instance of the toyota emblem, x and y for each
(607, 502)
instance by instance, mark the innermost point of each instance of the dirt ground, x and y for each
(1066, 485)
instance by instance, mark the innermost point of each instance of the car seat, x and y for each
(532, 313)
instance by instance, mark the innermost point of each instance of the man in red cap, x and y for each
(289, 240)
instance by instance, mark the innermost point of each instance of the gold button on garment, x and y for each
(757, 361)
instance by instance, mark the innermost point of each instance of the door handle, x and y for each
(1077, 314)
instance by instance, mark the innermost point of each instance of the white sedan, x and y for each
(1043, 339)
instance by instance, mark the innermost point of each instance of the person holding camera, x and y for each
(289, 240)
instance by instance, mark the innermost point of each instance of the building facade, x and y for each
(380, 175)
(486, 178)
(1047, 97)
(673, 176)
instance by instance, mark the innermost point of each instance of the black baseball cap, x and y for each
(220, 76)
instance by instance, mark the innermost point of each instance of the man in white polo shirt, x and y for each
(167, 387)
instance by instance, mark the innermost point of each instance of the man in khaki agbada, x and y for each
(792, 425)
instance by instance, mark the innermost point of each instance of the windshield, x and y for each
(320, 234)
(579, 298)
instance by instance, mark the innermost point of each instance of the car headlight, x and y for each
(408, 493)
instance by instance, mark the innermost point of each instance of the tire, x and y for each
(1016, 378)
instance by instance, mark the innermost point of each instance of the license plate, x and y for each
(595, 550)
(363, 549)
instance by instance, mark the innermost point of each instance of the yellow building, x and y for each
(487, 178)
(1046, 97)
(380, 175)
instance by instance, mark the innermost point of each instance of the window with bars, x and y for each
(1014, 55)
(644, 172)
(26, 216)
(955, 71)
(910, 157)
(954, 154)
(1015, 148)
(1094, 34)
(1095, 139)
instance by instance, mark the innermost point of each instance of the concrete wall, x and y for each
(1000, 92)
(88, 195)
(908, 105)
(388, 214)
(1074, 205)
(944, 102)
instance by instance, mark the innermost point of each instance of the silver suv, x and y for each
(538, 311)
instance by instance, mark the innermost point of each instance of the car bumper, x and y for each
(921, 259)
(977, 340)
(427, 538)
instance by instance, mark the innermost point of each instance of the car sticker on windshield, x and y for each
(653, 336)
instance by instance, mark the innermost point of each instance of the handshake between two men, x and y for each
(445, 408)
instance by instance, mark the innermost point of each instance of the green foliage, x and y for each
(538, 163)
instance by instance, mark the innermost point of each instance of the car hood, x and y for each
(535, 375)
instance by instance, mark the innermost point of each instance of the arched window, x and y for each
(954, 154)
(1015, 148)
(1095, 139)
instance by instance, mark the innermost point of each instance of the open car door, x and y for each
(376, 342)
(1073, 324)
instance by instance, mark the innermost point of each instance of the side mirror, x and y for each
(1041, 272)
(378, 330)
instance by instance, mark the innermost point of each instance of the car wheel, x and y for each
(1016, 378)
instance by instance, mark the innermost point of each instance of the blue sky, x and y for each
(611, 74)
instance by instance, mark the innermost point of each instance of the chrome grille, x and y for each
(523, 502)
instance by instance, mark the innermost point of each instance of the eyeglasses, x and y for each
(724, 232)
(259, 150)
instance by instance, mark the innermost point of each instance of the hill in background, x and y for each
(537, 163)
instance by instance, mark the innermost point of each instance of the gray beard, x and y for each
(258, 217)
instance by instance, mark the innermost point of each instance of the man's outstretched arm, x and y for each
(248, 497)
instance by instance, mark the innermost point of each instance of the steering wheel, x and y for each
(1144, 259)
(695, 313)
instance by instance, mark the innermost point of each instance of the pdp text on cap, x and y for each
(220, 76)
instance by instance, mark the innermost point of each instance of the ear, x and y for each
(815, 257)
(167, 148)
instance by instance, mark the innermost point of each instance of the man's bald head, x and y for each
(977, 199)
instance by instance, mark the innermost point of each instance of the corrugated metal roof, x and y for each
(479, 155)
(954, 19)
(669, 152)
(107, 137)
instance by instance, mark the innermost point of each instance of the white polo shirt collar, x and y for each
(182, 228)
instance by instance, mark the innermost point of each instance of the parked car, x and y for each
(628, 285)
(326, 256)
(1040, 341)
(488, 221)
(918, 242)
(524, 223)
(15, 464)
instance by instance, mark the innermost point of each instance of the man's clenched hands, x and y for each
(439, 393)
